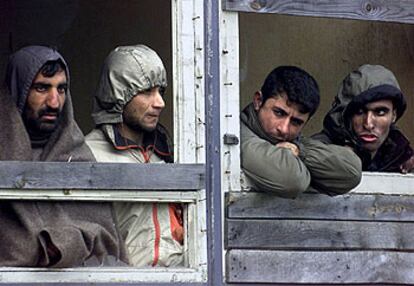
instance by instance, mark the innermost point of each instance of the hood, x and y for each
(23, 67)
(366, 84)
(66, 143)
(127, 71)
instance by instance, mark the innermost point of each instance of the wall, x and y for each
(328, 49)
(85, 32)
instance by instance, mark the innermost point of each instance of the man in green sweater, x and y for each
(275, 157)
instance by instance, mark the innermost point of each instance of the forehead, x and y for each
(380, 104)
(59, 77)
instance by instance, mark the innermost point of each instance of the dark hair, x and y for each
(50, 68)
(301, 88)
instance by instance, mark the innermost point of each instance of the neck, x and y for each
(38, 140)
(131, 134)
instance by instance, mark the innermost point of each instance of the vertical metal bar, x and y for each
(213, 172)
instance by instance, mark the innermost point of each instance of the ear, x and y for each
(257, 100)
(394, 115)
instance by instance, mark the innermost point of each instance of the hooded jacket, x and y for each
(82, 233)
(329, 169)
(153, 232)
(367, 84)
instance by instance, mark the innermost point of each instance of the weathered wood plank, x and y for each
(401, 11)
(326, 235)
(316, 206)
(107, 176)
(352, 267)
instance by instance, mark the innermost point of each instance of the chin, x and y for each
(149, 128)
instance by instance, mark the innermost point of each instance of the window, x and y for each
(85, 32)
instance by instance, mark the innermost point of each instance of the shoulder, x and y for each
(100, 147)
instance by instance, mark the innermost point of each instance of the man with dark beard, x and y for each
(37, 124)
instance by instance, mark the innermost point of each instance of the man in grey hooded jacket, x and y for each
(37, 124)
(127, 107)
(363, 116)
(275, 158)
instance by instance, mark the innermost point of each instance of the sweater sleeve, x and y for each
(334, 169)
(271, 168)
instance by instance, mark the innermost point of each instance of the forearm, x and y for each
(334, 169)
(274, 169)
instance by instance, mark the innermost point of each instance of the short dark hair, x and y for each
(50, 68)
(301, 88)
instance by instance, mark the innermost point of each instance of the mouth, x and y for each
(154, 115)
(49, 116)
(368, 138)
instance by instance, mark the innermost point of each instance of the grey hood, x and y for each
(366, 84)
(127, 71)
(23, 67)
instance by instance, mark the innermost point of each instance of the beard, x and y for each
(38, 126)
(135, 124)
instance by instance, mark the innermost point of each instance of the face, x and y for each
(371, 124)
(45, 102)
(279, 118)
(144, 110)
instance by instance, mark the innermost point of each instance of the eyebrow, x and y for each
(48, 85)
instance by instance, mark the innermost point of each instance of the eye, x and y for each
(279, 112)
(359, 111)
(62, 89)
(381, 111)
(40, 87)
(296, 122)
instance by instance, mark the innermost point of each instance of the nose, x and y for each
(284, 128)
(158, 101)
(369, 120)
(53, 98)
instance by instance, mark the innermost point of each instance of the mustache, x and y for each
(49, 111)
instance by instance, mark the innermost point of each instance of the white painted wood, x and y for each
(230, 94)
(198, 22)
(188, 80)
(100, 275)
(100, 195)
(386, 183)
(189, 120)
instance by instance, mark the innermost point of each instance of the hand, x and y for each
(291, 146)
(407, 166)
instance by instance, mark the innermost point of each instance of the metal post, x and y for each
(213, 172)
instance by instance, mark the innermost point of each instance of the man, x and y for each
(128, 104)
(37, 124)
(275, 158)
(363, 117)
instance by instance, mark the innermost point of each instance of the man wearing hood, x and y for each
(275, 158)
(37, 124)
(363, 117)
(127, 107)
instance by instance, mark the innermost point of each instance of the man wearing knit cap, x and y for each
(37, 124)
(363, 117)
(127, 108)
